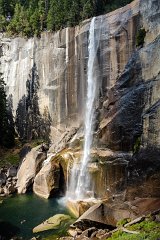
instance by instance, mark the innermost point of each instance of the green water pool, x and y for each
(19, 214)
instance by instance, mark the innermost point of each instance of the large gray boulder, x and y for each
(46, 182)
(30, 166)
(12, 172)
(3, 178)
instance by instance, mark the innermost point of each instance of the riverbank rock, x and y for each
(46, 182)
(52, 223)
(77, 208)
(12, 172)
(102, 219)
(105, 215)
(53, 177)
(28, 169)
(8, 181)
(102, 216)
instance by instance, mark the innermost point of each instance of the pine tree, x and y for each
(6, 119)
(28, 117)
(21, 117)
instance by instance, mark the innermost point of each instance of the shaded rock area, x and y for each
(28, 169)
(8, 180)
(5, 234)
(52, 223)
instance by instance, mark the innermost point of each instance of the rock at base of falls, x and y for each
(106, 215)
(52, 223)
(30, 166)
(46, 182)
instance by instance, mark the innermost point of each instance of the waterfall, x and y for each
(80, 184)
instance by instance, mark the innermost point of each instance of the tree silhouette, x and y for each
(21, 117)
(46, 123)
(10, 136)
(30, 124)
(6, 117)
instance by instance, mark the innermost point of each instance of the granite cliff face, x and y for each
(61, 62)
(126, 150)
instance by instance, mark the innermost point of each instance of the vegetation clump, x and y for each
(137, 144)
(140, 37)
(147, 230)
(9, 157)
(31, 17)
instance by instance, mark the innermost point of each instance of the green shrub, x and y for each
(140, 37)
(137, 145)
(9, 159)
(122, 222)
(148, 230)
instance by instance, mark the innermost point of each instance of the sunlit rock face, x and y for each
(29, 168)
(127, 114)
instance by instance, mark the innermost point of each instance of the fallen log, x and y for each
(137, 220)
(128, 231)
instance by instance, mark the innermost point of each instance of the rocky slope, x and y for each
(126, 150)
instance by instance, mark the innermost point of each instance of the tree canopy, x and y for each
(31, 17)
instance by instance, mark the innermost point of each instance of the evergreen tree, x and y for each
(10, 126)
(35, 22)
(21, 118)
(6, 118)
(42, 14)
(87, 9)
(31, 17)
(28, 117)
(46, 123)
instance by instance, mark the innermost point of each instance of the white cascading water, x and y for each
(80, 184)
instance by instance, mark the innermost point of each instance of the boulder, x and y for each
(85, 234)
(9, 189)
(3, 178)
(9, 179)
(47, 181)
(1, 190)
(106, 215)
(77, 208)
(102, 216)
(30, 166)
(52, 223)
(12, 172)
